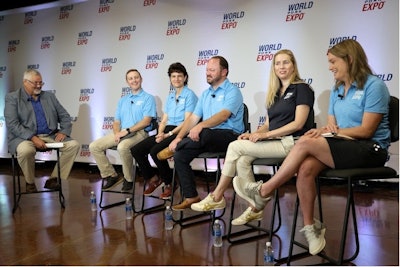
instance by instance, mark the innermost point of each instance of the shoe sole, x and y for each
(210, 209)
(114, 185)
(237, 188)
(257, 219)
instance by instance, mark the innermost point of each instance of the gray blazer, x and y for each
(21, 119)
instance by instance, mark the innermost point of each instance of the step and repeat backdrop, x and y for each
(83, 49)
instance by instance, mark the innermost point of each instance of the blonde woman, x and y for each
(289, 106)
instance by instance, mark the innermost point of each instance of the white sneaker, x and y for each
(250, 191)
(247, 216)
(208, 204)
(315, 237)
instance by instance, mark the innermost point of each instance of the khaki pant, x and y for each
(26, 152)
(241, 153)
(98, 150)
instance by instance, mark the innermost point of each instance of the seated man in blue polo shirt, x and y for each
(216, 121)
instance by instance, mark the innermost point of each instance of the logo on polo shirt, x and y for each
(230, 20)
(335, 40)
(108, 123)
(46, 41)
(174, 26)
(67, 66)
(371, 5)
(266, 51)
(125, 32)
(153, 61)
(105, 6)
(205, 55)
(12, 46)
(64, 12)
(296, 10)
(106, 64)
(85, 94)
(29, 17)
(83, 37)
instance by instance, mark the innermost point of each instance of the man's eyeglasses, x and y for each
(36, 83)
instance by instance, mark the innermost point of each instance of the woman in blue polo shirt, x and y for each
(358, 109)
(180, 104)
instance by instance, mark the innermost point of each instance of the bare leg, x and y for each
(305, 147)
(305, 184)
(223, 184)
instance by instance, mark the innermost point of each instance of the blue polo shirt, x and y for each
(133, 108)
(349, 111)
(226, 96)
(175, 108)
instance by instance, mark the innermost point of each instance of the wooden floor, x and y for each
(41, 233)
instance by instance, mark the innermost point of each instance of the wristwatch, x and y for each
(128, 130)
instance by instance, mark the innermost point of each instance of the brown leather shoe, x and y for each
(31, 188)
(52, 184)
(153, 185)
(186, 203)
(164, 154)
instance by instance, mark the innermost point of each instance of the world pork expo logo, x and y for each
(12, 46)
(104, 6)
(125, 91)
(85, 94)
(296, 10)
(266, 51)
(205, 55)
(64, 12)
(337, 39)
(372, 5)
(230, 20)
(67, 66)
(106, 64)
(174, 26)
(29, 16)
(46, 42)
(153, 61)
(85, 152)
(125, 32)
(83, 37)
(108, 123)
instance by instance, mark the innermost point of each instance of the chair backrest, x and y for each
(394, 118)
(247, 125)
(153, 125)
(310, 123)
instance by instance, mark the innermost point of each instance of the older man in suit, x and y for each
(34, 118)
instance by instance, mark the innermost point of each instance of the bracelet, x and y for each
(128, 130)
(170, 133)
